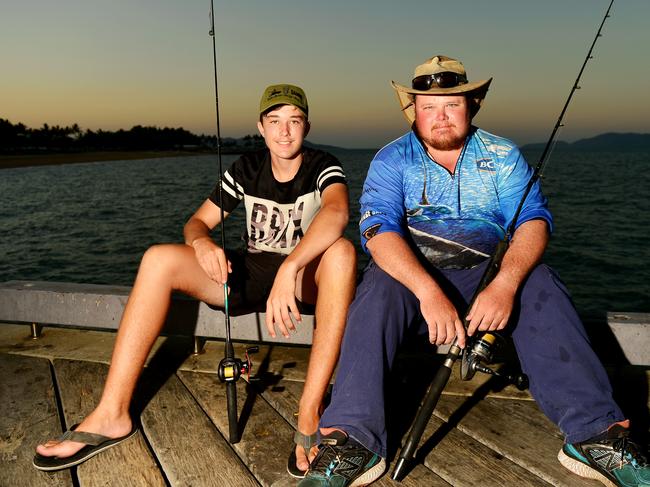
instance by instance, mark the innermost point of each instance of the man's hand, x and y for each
(443, 321)
(492, 308)
(281, 303)
(212, 259)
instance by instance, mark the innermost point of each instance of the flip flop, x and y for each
(306, 441)
(94, 444)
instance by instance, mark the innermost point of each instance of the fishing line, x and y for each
(550, 144)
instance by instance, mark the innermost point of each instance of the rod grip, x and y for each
(231, 399)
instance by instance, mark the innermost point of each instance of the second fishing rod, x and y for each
(479, 351)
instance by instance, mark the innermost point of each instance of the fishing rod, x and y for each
(480, 350)
(230, 367)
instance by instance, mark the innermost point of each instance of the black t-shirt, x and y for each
(277, 213)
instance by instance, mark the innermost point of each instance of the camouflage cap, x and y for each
(284, 94)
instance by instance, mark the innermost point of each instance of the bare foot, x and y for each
(94, 423)
(303, 461)
(307, 424)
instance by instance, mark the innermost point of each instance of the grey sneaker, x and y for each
(612, 458)
(343, 462)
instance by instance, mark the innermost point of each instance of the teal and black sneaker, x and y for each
(343, 462)
(612, 458)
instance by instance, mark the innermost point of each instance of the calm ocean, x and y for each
(91, 222)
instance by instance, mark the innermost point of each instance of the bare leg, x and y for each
(334, 277)
(164, 268)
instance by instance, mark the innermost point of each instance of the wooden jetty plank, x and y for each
(127, 464)
(266, 439)
(54, 343)
(284, 397)
(189, 448)
(463, 461)
(518, 430)
(94, 346)
(28, 415)
(420, 476)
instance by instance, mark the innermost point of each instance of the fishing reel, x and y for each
(231, 368)
(480, 351)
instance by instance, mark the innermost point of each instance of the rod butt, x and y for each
(399, 470)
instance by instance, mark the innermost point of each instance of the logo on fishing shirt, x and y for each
(371, 231)
(486, 165)
(368, 214)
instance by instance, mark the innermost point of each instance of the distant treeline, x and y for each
(19, 139)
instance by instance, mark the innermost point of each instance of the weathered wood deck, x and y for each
(476, 437)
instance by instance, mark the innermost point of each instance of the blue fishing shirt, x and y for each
(454, 220)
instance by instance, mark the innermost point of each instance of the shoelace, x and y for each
(325, 461)
(629, 451)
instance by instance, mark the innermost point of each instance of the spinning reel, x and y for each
(480, 351)
(231, 368)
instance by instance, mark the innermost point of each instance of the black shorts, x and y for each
(251, 281)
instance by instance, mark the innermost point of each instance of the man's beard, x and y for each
(449, 141)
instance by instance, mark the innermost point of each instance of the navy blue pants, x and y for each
(566, 378)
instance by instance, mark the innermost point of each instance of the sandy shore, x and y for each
(7, 161)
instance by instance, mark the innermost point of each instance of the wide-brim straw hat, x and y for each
(435, 65)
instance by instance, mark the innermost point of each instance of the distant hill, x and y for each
(324, 147)
(609, 142)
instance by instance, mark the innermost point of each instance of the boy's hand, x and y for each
(281, 304)
(212, 259)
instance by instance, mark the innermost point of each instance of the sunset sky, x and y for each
(115, 64)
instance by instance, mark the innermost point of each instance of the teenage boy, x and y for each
(296, 203)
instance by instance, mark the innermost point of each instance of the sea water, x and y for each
(91, 222)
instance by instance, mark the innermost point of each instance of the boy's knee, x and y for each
(160, 257)
(154, 254)
(341, 253)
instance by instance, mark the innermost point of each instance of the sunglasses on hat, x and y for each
(446, 79)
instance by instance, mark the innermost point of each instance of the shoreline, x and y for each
(49, 159)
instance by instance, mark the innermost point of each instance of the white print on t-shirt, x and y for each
(277, 227)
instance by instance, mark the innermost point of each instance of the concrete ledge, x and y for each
(624, 338)
(632, 333)
(100, 307)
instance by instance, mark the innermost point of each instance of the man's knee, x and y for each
(543, 281)
(545, 298)
(384, 288)
(382, 305)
